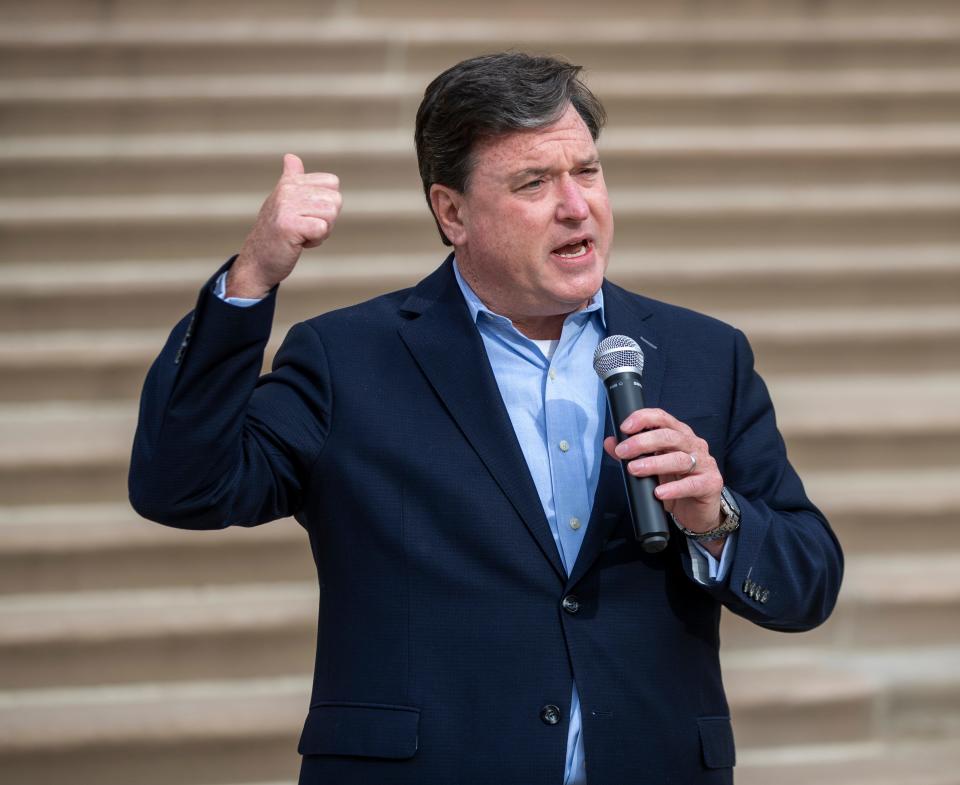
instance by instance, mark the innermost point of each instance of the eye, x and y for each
(532, 185)
(590, 170)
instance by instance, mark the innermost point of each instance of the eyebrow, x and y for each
(540, 171)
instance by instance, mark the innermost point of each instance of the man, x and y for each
(486, 615)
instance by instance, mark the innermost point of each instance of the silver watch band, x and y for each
(729, 520)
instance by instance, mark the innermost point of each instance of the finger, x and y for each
(311, 231)
(323, 179)
(645, 419)
(292, 165)
(610, 446)
(327, 212)
(296, 195)
(671, 463)
(692, 486)
(658, 440)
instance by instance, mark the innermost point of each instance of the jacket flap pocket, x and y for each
(716, 739)
(368, 730)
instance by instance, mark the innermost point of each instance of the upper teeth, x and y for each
(581, 250)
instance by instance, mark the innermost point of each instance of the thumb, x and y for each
(292, 164)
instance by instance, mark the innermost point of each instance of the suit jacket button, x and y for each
(550, 714)
(571, 604)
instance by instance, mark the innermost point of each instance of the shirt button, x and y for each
(550, 714)
(564, 445)
(574, 523)
(552, 374)
(571, 604)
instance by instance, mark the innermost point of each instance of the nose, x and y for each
(571, 206)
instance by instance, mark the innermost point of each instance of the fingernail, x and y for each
(627, 424)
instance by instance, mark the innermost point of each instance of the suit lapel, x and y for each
(447, 347)
(625, 314)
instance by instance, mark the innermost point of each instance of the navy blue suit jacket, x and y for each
(442, 634)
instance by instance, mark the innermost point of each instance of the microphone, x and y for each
(618, 361)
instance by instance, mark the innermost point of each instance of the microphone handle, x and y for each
(625, 395)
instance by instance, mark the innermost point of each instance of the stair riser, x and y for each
(160, 306)
(893, 533)
(931, 353)
(256, 57)
(143, 568)
(359, 171)
(136, 10)
(668, 9)
(287, 649)
(94, 379)
(857, 623)
(776, 725)
(104, 479)
(203, 762)
(216, 239)
(196, 563)
(24, 117)
(353, 55)
(259, 653)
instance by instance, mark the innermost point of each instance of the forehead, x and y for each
(559, 144)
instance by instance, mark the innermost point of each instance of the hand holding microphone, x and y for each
(663, 459)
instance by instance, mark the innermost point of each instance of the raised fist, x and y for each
(299, 214)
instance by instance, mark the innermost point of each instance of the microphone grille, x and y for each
(617, 352)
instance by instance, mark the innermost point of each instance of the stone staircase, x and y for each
(791, 166)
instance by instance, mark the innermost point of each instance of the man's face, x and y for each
(535, 225)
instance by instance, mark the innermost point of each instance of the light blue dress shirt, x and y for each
(557, 407)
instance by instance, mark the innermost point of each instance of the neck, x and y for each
(543, 328)
(537, 328)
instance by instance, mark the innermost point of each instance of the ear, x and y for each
(447, 203)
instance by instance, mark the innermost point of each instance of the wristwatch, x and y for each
(729, 520)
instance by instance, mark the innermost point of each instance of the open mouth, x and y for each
(573, 250)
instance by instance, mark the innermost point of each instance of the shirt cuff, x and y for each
(220, 290)
(706, 568)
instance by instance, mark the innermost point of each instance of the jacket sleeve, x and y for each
(788, 565)
(210, 448)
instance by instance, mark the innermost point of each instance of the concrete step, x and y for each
(84, 365)
(916, 687)
(354, 45)
(855, 763)
(891, 511)
(169, 634)
(241, 630)
(855, 341)
(254, 102)
(101, 546)
(142, 294)
(155, 734)
(188, 163)
(58, 451)
(188, 226)
(313, 10)
(900, 598)
(95, 547)
(128, 727)
(874, 763)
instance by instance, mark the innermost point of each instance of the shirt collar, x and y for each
(476, 307)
